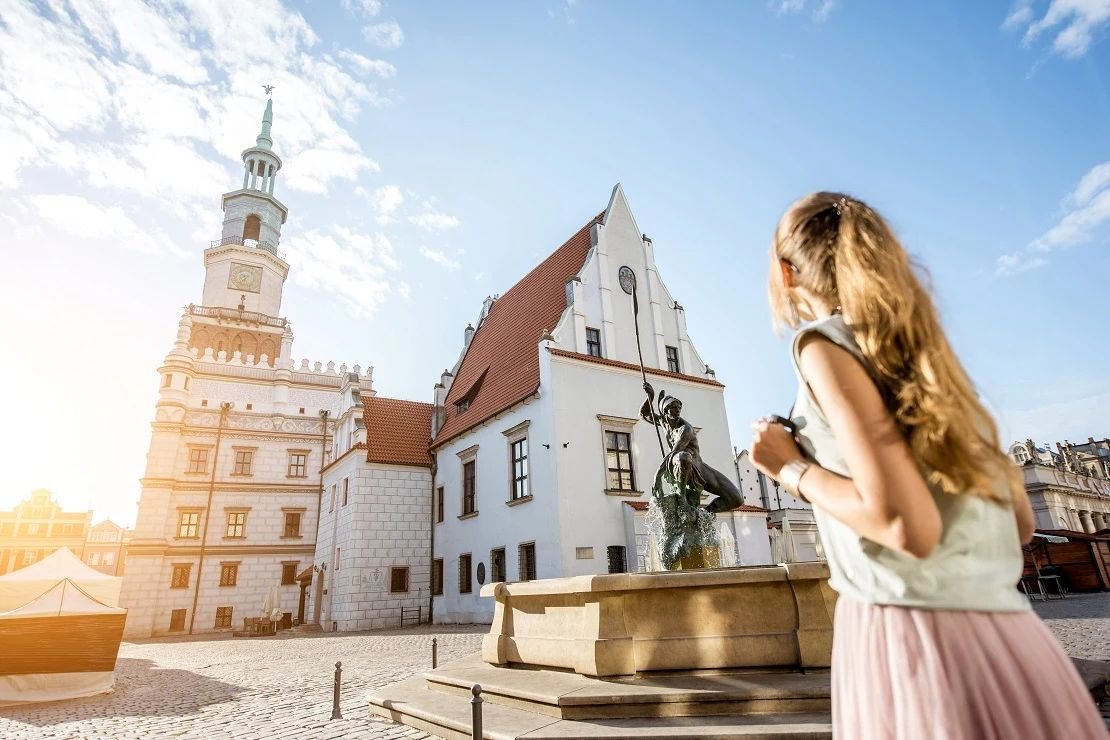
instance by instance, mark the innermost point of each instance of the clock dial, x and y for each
(245, 277)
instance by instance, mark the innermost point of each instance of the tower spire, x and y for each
(264, 141)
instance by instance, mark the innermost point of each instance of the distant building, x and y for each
(241, 432)
(790, 524)
(1069, 487)
(37, 527)
(537, 439)
(106, 547)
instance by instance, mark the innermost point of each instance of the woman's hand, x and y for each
(772, 447)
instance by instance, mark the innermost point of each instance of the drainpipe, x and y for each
(324, 413)
(225, 406)
(432, 546)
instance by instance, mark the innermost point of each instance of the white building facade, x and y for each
(1069, 488)
(537, 438)
(230, 496)
(790, 524)
(372, 566)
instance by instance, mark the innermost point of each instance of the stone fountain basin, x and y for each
(624, 624)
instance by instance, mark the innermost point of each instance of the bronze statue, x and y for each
(687, 531)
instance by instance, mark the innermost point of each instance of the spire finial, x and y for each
(264, 139)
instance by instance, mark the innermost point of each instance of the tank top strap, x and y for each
(836, 330)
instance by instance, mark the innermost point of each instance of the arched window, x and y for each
(251, 227)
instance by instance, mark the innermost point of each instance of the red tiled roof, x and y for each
(397, 432)
(505, 346)
(643, 506)
(629, 366)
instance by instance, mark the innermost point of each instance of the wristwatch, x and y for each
(790, 476)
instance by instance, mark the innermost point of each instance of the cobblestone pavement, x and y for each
(1081, 622)
(277, 688)
(280, 688)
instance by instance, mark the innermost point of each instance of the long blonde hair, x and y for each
(843, 251)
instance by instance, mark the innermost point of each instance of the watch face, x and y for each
(245, 277)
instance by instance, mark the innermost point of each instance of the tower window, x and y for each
(252, 227)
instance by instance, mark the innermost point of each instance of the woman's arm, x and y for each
(886, 500)
(1023, 512)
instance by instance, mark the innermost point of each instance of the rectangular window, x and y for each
(468, 504)
(223, 617)
(518, 452)
(346, 488)
(615, 555)
(337, 554)
(583, 553)
(439, 504)
(527, 555)
(198, 460)
(298, 464)
(177, 620)
(108, 559)
(243, 459)
(188, 523)
(398, 580)
(497, 565)
(464, 574)
(229, 574)
(593, 342)
(236, 523)
(288, 574)
(672, 359)
(167, 380)
(331, 501)
(29, 556)
(437, 577)
(292, 524)
(618, 460)
(180, 577)
(94, 558)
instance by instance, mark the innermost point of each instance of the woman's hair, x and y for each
(844, 252)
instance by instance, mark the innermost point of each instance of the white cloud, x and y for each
(77, 217)
(1075, 23)
(366, 8)
(819, 10)
(366, 66)
(385, 200)
(1086, 213)
(440, 259)
(357, 268)
(387, 34)
(433, 219)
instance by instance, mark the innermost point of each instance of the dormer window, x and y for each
(462, 405)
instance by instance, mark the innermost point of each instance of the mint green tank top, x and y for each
(976, 565)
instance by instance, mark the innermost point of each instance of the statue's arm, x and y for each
(646, 413)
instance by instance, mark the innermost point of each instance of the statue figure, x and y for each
(679, 482)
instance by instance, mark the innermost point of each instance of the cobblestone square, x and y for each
(281, 687)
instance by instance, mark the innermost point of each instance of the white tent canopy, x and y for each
(27, 584)
(65, 599)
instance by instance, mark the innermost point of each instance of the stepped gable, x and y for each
(501, 366)
(397, 431)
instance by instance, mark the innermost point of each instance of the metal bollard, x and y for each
(335, 713)
(476, 713)
(434, 661)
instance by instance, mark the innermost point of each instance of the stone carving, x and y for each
(685, 533)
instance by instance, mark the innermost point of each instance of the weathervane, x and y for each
(269, 89)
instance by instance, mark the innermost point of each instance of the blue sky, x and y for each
(435, 151)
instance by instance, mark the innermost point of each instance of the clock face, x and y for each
(245, 277)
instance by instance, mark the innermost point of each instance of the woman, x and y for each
(921, 515)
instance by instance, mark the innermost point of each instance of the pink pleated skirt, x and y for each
(900, 673)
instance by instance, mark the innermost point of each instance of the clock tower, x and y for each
(244, 272)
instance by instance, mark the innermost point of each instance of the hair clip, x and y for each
(841, 205)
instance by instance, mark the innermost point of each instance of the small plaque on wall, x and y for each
(245, 277)
(481, 574)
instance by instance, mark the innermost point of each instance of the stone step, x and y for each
(413, 703)
(567, 695)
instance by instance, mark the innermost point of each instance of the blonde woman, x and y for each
(920, 513)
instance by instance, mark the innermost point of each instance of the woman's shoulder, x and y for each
(833, 329)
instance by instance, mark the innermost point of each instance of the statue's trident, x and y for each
(627, 279)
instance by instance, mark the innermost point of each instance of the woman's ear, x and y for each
(787, 273)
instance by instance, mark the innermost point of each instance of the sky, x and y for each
(435, 151)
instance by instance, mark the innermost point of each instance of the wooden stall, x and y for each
(1083, 561)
